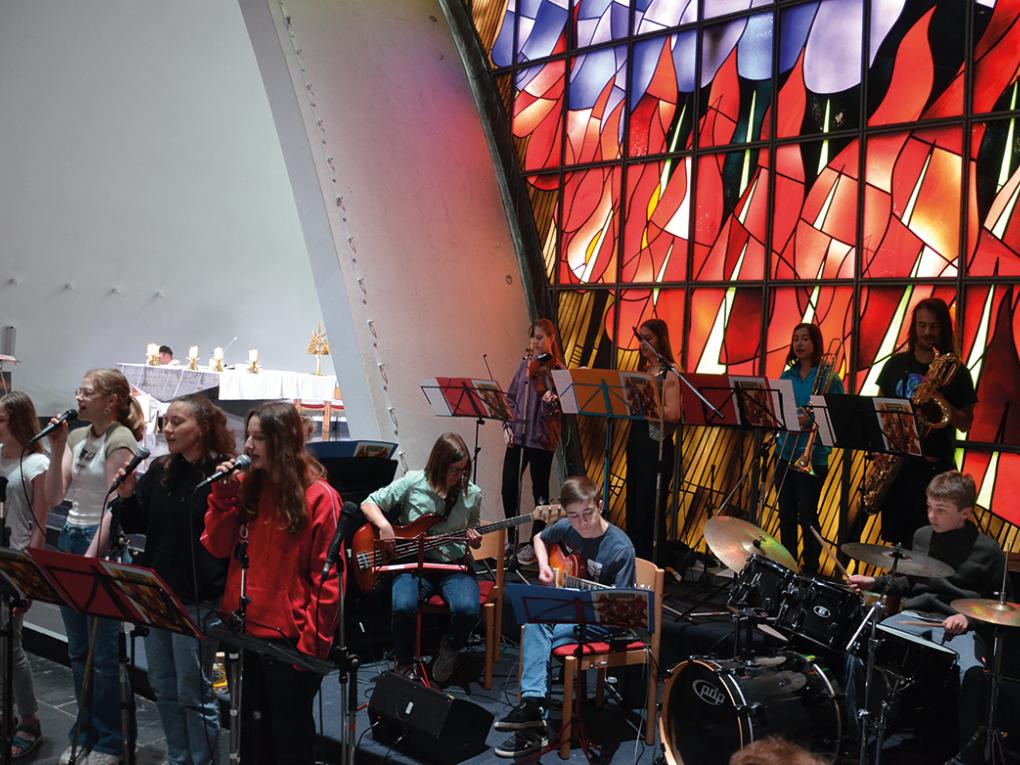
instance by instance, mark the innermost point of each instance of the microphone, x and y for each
(66, 416)
(333, 553)
(243, 462)
(140, 456)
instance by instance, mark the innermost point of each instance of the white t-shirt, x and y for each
(88, 471)
(19, 509)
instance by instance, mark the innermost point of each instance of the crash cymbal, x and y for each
(989, 610)
(733, 541)
(908, 562)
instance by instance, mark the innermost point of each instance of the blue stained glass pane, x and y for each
(754, 52)
(662, 14)
(589, 76)
(538, 39)
(502, 54)
(684, 47)
(795, 23)
(717, 44)
(646, 56)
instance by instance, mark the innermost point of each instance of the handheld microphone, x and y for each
(333, 553)
(66, 416)
(140, 456)
(243, 462)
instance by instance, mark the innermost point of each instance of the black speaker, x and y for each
(427, 722)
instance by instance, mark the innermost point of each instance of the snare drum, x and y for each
(713, 707)
(820, 611)
(760, 584)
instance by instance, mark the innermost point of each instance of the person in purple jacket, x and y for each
(533, 434)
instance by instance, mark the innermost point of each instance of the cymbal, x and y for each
(909, 562)
(989, 610)
(733, 541)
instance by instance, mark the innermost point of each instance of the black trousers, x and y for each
(278, 725)
(643, 466)
(798, 506)
(540, 462)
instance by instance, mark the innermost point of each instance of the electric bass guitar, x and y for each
(369, 554)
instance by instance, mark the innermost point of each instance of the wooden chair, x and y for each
(490, 595)
(598, 656)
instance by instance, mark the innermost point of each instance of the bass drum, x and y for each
(713, 707)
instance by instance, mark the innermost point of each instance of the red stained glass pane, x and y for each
(912, 199)
(590, 226)
(993, 231)
(537, 122)
(831, 308)
(995, 61)
(997, 476)
(660, 115)
(814, 220)
(729, 237)
(725, 331)
(658, 221)
(989, 341)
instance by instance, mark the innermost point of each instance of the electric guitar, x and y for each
(369, 554)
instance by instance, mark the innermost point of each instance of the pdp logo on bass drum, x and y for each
(708, 693)
(822, 612)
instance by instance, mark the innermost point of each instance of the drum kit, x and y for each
(713, 706)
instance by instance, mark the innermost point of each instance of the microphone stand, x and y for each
(512, 564)
(236, 654)
(127, 697)
(667, 366)
(347, 677)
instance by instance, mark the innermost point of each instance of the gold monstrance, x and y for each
(318, 347)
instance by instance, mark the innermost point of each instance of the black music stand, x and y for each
(610, 394)
(618, 607)
(480, 400)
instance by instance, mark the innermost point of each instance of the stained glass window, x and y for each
(767, 163)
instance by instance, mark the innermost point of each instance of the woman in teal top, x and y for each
(799, 491)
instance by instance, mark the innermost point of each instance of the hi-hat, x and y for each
(733, 541)
(907, 562)
(989, 610)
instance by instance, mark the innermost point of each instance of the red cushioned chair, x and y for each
(490, 594)
(598, 656)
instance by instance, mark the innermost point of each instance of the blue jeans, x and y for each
(180, 673)
(99, 724)
(537, 644)
(460, 591)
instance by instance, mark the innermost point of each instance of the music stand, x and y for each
(610, 394)
(468, 397)
(100, 589)
(623, 608)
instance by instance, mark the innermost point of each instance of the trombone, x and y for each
(824, 377)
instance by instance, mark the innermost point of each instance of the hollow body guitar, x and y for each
(369, 554)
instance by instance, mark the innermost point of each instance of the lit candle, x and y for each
(253, 356)
(152, 349)
(217, 354)
(193, 352)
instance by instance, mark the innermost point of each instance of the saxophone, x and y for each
(931, 411)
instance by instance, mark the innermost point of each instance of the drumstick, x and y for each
(823, 542)
(916, 623)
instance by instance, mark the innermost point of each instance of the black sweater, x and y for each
(978, 561)
(171, 515)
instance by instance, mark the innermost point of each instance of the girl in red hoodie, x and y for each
(288, 515)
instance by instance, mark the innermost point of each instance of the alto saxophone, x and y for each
(932, 412)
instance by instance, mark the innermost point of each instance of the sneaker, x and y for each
(523, 743)
(528, 714)
(101, 758)
(445, 663)
(526, 555)
(80, 756)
